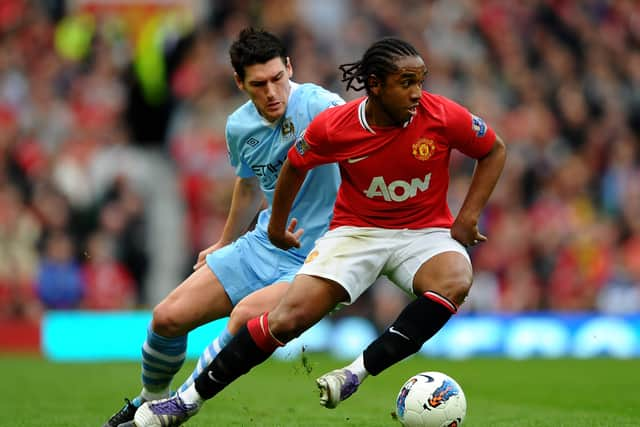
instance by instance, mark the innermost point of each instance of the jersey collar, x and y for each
(363, 117)
(265, 122)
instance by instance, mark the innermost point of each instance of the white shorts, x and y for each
(355, 257)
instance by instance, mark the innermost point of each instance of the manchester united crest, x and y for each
(423, 149)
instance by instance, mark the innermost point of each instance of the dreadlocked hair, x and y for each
(379, 59)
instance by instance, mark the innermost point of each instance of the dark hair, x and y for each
(255, 46)
(379, 59)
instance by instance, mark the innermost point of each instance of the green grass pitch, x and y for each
(500, 393)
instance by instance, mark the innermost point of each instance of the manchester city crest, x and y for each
(287, 127)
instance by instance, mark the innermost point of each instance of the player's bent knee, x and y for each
(288, 325)
(459, 292)
(241, 314)
(456, 286)
(165, 323)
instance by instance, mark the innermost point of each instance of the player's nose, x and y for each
(415, 93)
(271, 90)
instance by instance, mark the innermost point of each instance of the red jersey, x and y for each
(397, 176)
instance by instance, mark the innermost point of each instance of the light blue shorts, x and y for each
(251, 263)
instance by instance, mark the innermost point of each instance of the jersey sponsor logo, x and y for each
(267, 169)
(423, 149)
(478, 125)
(356, 159)
(397, 191)
(287, 127)
(252, 142)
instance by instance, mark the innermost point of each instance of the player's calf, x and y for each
(418, 322)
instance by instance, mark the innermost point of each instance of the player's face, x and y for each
(399, 94)
(268, 87)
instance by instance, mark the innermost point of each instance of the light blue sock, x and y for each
(207, 356)
(162, 358)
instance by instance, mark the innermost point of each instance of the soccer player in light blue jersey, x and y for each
(243, 274)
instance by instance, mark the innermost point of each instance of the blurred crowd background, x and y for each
(113, 166)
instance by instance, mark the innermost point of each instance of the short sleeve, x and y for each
(241, 169)
(467, 132)
(310, 149)
(321, 100)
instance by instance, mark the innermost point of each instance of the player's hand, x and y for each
(466, 232)
(202, 256)
(290, 238)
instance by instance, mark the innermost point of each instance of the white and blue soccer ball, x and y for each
(431, 399)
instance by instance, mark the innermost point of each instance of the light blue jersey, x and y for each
(259, 148)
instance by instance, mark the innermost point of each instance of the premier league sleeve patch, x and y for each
(301, 145)
(478, 125)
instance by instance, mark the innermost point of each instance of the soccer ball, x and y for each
(431, 399)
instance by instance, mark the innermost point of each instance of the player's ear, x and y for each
(289, 67)
(238, 80)
(373, 83)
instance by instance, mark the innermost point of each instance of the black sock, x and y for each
(418, 322)
(235, 359)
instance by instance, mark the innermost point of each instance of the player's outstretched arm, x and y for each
(288, 185)
(485, 177)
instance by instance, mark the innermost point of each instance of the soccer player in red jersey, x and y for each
(390, 218)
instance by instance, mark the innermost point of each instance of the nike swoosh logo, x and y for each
(393, 330)
(357, 159)
(210, 375)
